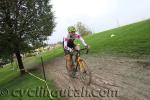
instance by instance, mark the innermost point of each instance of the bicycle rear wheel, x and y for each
(85, 73)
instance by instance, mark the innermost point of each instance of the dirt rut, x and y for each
(113, 78)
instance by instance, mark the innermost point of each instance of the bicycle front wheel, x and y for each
(85, 73)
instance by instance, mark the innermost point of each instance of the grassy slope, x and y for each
(11, 79)
(25, 83)
(131, 40)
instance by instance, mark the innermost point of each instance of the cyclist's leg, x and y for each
(69, 64)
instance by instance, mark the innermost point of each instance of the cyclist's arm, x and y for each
(81, 39)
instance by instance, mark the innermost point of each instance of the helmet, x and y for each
(71, 29)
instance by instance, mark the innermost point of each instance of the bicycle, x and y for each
(81, 67)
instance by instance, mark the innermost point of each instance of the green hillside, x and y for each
(131, 40)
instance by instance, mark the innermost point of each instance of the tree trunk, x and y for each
(20, 63)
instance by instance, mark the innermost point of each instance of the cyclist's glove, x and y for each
(87, 47)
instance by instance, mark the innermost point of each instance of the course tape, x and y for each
(50, 96)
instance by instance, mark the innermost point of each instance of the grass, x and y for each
(26, 88)
(34, 61)
(7, 74)
(11, 79)
(131, 40)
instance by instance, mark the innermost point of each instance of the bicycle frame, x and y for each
(78, 59)
(81, 66)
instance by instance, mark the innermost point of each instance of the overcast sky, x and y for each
(98, 15)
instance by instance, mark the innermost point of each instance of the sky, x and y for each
(97, 15)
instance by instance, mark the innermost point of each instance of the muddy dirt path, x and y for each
(112, 79)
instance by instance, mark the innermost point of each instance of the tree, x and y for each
(24, 25)
(82, 29)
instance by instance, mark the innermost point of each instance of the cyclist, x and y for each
(69, 46)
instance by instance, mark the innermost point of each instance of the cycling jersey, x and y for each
(68, 41)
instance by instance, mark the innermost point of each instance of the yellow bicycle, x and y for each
(81, 67)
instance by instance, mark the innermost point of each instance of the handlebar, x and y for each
(87, 50)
